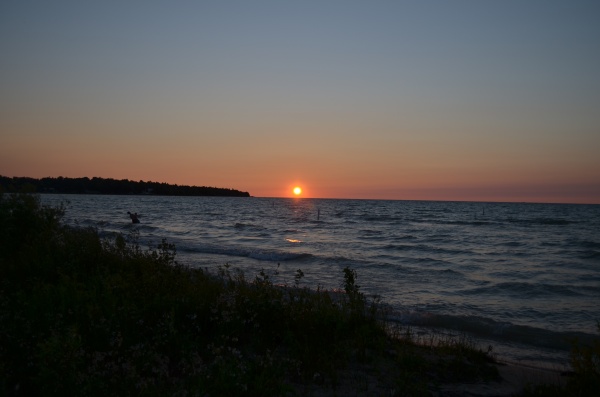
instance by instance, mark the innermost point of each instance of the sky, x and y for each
(408, 100)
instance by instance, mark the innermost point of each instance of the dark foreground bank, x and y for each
(85, 316)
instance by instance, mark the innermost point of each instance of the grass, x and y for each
(86, 316)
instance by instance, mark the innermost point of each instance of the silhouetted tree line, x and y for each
(109, 186)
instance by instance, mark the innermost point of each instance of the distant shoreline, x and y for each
(108, 186)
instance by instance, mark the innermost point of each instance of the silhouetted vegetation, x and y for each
(82, 315)
(109, 186)
(584, 380)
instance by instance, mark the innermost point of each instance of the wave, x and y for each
(592, 245)
(588, 254)
(423, 248)
(450, 272)
(250, 226)
(371, 232)
(429, 260)
(469, 223)
(398, 247)
(586, 249)
(126, 230)
(382, 218)
(541, 221)
(523, 290)
(487, 328)
(263, 255)
(511, 244)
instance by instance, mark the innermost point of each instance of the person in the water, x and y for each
(134, 217)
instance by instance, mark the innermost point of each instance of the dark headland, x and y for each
(110, 186)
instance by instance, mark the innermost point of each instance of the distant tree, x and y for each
(97, 185)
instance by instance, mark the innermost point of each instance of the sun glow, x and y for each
(297, 190)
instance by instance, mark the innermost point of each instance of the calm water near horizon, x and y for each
(522, 277)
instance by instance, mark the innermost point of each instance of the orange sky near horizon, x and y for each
(411, 101)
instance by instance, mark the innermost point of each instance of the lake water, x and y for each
(524, 278)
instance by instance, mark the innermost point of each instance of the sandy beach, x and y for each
(514, 379)
(368, 381)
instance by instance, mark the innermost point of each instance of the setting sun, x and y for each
(297, 190)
